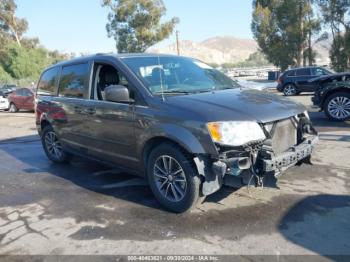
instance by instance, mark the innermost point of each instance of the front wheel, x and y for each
(290, 90)
(337, 106)
(53, 147)
(173, 178)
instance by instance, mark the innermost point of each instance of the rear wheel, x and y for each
(13, 108)
(290, 90)
(337, 106)
(53, 147)
(173, 178)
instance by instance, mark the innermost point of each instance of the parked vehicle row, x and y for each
(331, 90)
(295, 81)
(185, 126)
(13, 100)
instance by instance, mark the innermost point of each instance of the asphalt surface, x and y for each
(85, 208)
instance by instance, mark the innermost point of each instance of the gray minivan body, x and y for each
(80, 120)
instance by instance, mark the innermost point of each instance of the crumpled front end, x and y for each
(289, 142)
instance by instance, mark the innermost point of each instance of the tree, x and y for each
(335, 15)
(284, 30)
(20, 62)
(4, 76)
(135, 24)
(10, 25)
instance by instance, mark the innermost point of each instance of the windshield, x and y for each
(178, 75)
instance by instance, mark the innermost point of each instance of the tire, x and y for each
(176, 188)
(337, 106)
(13, 108)
(290, 90)
(54, 152)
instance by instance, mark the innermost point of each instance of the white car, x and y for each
(4, 103)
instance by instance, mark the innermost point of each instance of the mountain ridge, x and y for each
(227, 49)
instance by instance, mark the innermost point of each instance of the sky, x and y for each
(79, 25)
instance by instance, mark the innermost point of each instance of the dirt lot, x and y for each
(84, 208)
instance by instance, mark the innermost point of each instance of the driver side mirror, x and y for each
(118, 93)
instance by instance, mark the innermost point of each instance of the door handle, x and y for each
(90, 111)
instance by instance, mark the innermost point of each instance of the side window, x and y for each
(47, 82)
(104, 76)
(26, 92)
(73, 81)
(19, 92)
(291, 73)
(318, 71)
(303, 72)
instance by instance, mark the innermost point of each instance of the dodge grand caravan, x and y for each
(185, 126)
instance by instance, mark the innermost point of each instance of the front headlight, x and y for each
(236, 133)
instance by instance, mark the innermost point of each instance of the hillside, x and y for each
(226, 49)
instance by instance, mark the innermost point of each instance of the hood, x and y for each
(238, 105)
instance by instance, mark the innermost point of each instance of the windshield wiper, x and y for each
(172, 92)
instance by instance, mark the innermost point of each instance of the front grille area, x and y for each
(284, 135)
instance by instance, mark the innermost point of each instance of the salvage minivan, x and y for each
(185, 126)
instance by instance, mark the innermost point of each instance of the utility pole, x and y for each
(177, 42)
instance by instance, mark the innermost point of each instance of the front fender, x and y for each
(196, 144)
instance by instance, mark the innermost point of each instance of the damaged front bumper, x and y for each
(236, 168)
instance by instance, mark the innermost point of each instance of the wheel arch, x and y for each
(332, 92)
(153, 142)
(44, 123)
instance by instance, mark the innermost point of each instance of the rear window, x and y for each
(27, 92)
(303, 72)
(290, 73)
(47, 82)
(73, 80)
(19, 92)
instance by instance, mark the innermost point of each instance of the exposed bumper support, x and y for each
(290, 158)
(233, 172)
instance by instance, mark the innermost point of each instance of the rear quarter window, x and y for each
(303, 72)
(290, 73)
(73, 81)
(47, 82)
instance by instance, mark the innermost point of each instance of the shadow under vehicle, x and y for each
(183, 125)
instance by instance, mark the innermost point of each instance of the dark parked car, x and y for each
(6, 89)
(333, 95)
(295, 81)
(184, 125)
(21, 98)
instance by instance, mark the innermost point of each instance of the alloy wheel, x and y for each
(339, 107)
(53, 146)
(289, 90)
(170, 178)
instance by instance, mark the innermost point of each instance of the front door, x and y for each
(111, 124)
(28, 99)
